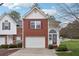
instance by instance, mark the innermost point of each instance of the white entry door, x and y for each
(35, 42)
(53, 37)
(2, 40)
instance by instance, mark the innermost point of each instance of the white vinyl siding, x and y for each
(9, 39)
(2, 40)
(11, 26)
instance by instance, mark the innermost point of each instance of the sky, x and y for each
(23, 8)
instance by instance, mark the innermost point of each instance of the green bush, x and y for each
(62, 48)
(19, 45)
(0, 47)
(12, 46)
(50, 46)
(4, 46)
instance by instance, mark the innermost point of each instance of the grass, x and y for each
(72, 45)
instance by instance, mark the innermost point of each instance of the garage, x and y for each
(2, 40)
(35, 42)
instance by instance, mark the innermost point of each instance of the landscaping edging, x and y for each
(63, 51)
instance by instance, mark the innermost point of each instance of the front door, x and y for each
(53, 37)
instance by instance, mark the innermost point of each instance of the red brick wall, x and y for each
(36, 32)
(19, 31)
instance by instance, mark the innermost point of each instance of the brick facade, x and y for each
(36, 32)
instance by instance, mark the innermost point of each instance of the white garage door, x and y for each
(2, 40)
(35, 42)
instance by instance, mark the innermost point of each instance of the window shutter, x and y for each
(9, 25)
(29, 25)
(2, 26)
(41, 25)
(6, 25)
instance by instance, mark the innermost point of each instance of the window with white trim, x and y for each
(35, 24)
(6, 25)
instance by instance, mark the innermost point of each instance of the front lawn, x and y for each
(73, 46)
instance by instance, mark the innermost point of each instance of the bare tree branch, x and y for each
(69, 10)
(1, 4)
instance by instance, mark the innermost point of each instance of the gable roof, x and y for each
(26, 14)
(17, 22)
(5, 15)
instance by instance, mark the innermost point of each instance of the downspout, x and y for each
(22, 34)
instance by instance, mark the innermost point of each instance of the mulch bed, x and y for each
(6, 52)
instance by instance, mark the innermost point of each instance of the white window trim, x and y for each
(35, 23)
(3, 28)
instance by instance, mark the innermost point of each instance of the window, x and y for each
(32, 24)
(35, 24)
(50, 37)
(52, 31)
(6, 25)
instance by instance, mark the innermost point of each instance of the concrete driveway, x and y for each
(34, 52)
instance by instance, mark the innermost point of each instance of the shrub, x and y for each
(0, 47)
(50, 46)
(19, 45)
(12, 46)
(4, 46)
(62, 48)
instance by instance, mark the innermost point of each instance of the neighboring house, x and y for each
(9, 32)
(36, 30)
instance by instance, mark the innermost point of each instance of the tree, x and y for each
(1, 4)
(68, 11)
(71, 31)
(15, 15)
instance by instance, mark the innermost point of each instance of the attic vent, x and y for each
(35, 11)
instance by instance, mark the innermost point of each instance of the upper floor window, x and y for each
(35, 24)
(6, 25)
